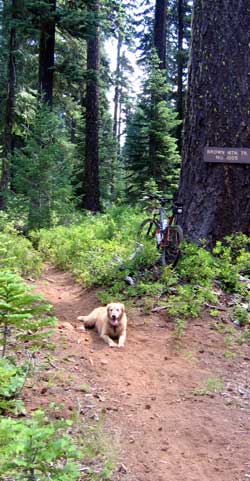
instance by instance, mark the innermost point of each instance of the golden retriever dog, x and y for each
(110, 322)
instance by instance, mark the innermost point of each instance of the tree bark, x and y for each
(217, 196)
(117, 85)
(180, 67)
(9, 111)
(159, 43)
(91, 200)
(160, 30)
(47, 53)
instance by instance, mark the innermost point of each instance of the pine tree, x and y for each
(164, 166)
(9, 18)
(178, 45)
(44, 169)
(91, 199)
(47, 50)
(159, 62)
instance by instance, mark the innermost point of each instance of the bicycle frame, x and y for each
(165, 231)
(168, 233)
(164, 221)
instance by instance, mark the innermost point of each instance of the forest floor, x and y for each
(162, 419)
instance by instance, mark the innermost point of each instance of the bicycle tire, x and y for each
(171, 251)
(147, 229)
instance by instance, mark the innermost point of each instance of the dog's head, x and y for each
(115, 312)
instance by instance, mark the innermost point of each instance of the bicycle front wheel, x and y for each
(147, 229)
(171, 250)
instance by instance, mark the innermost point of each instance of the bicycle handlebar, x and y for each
(162, 200)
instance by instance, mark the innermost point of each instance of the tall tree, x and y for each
(159, 45)
(10, 19)
(164, 166)
(217, 196)
(91, 200)
(117, 85)
(178, 43)
(159, 41)
(180, 68)
(47, 50)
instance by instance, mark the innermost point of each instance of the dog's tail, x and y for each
(88, 321)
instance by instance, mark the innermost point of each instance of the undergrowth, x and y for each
(34, 447)
(16, 252)
(99, 250)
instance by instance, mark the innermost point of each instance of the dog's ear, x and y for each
(122, 307)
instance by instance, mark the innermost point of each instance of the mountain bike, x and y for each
(165, 229)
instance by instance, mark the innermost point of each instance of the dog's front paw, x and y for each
(80, 318)
(121, 345)
(112, 344)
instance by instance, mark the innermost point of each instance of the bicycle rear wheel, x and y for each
(147, 229)
(171, 251)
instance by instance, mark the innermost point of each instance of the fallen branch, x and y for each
(159, 308)
(218, 308)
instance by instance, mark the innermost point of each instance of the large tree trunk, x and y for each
(116, 120)
(9, 112)
(180, 68)
(160, 30)
(47, 52)
(217, 196)
(91, 199)
(117, 85)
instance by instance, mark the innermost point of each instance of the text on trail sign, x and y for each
(227, 155)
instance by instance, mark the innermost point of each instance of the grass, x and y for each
(211, 385)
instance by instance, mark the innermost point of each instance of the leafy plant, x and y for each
(180, 326)
(21, 313)
(12, 379)
(18, 255)
(241, 315)
(233, 258)
(197, 266)
(98, 250)
(37, 449)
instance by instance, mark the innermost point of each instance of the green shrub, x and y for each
(233, 259)
(241, 315)
(95, 250)
(37, 448)
(12, 380)
(197, 265)
(193, 280)
(18, 255)
(22, 314)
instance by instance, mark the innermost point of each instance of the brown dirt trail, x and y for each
(162, 430)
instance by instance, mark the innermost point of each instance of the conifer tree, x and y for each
(47, 50)
(44, 169)
(91, 199)
(178, 45)
(9, 27)
(159, 52)
(165, 166)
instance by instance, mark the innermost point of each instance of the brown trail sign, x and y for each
(228, 155)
